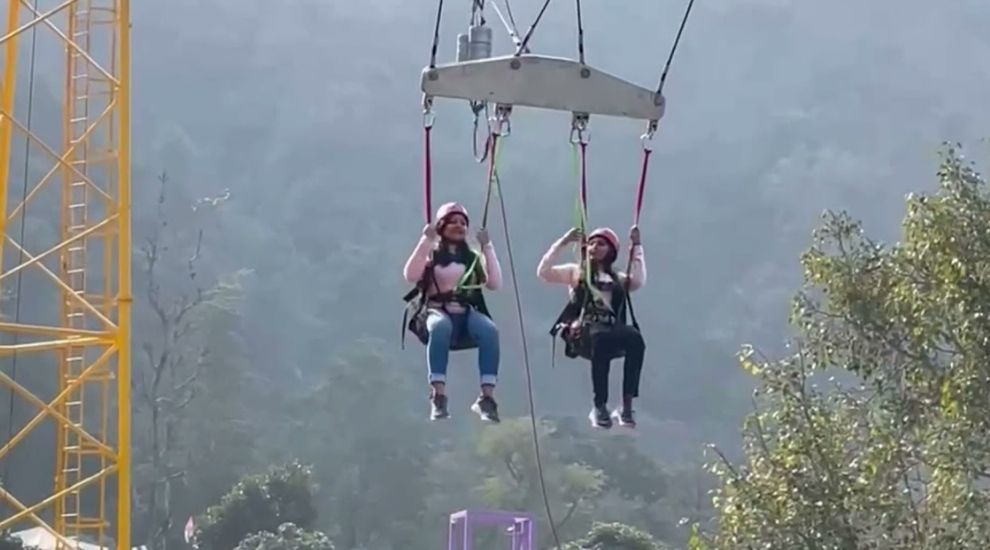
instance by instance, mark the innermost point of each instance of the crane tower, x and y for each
(65, 280)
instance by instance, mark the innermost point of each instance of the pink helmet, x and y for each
(606, 234)
(449, 208)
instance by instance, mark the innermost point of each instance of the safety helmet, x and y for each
(606, 234)
(449, 208)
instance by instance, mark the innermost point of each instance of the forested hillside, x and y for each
(278, 191)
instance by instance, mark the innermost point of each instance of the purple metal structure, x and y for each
(464, 523)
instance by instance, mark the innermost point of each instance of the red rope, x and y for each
(642, 186)
(428, 178)
(584, 178)
(639, 207)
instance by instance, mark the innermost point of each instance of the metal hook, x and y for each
(647, 137)
(428, 116)
(503, 126)
(488, 134)
(579, 128)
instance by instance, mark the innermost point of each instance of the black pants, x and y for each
(605, 341)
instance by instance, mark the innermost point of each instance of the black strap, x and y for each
(632, 312)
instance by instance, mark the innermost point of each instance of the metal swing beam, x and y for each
(543, 82)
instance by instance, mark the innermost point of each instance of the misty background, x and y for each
(309, 114)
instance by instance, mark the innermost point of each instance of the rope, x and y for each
(640, 192)
(508, 11)
(428, 123)
(477, 12)
(581, 219)
(529, 33)
(492, 153)
(525, 350)
(510, 24)
(428, 177)
(677, 40)
(474, 138)
(20, 254)
(436, 35)
(580, 28)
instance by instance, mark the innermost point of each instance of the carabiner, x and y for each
(428, 116)
(647, 137)
(502, 126)
(579, 128)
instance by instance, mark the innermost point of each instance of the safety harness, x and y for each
(467, 293)
(588, 310)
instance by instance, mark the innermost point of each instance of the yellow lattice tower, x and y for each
(80, 330)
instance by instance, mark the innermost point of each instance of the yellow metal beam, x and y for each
(83, 344)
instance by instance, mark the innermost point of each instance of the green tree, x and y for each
(636, 489)
(258, 503)
(363, 415)
(496, 468)
(166, 378)
(871, 434)
(223, 433)
(10, 542)
(288, 537)
(616, 536)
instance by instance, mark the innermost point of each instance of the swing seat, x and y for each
(580, 346)
(543, 82)
(460, 340)
(416, 323)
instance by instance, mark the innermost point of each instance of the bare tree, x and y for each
(166, 381)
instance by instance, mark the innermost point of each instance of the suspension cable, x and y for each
(677, 40)
(477, 12)
(510, 25)
(529, 33)
(508, 11)
(436, 35)
(526, 363)
(648, 136)
(580, 30)
(20, 254)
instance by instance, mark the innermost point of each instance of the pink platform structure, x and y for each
(463, 525)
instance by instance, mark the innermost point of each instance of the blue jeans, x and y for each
(443, 328)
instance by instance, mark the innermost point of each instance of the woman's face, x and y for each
(598, 248)
(455, 228)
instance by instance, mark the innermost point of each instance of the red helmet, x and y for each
(449, 208)
(606, 234)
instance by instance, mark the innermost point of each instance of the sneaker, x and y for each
(486, 408)
(599, 417)
(439, 407)
(625, 417)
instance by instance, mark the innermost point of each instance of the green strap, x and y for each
(580, 217)
(468, 273)
(580, 220)
(493, 186)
